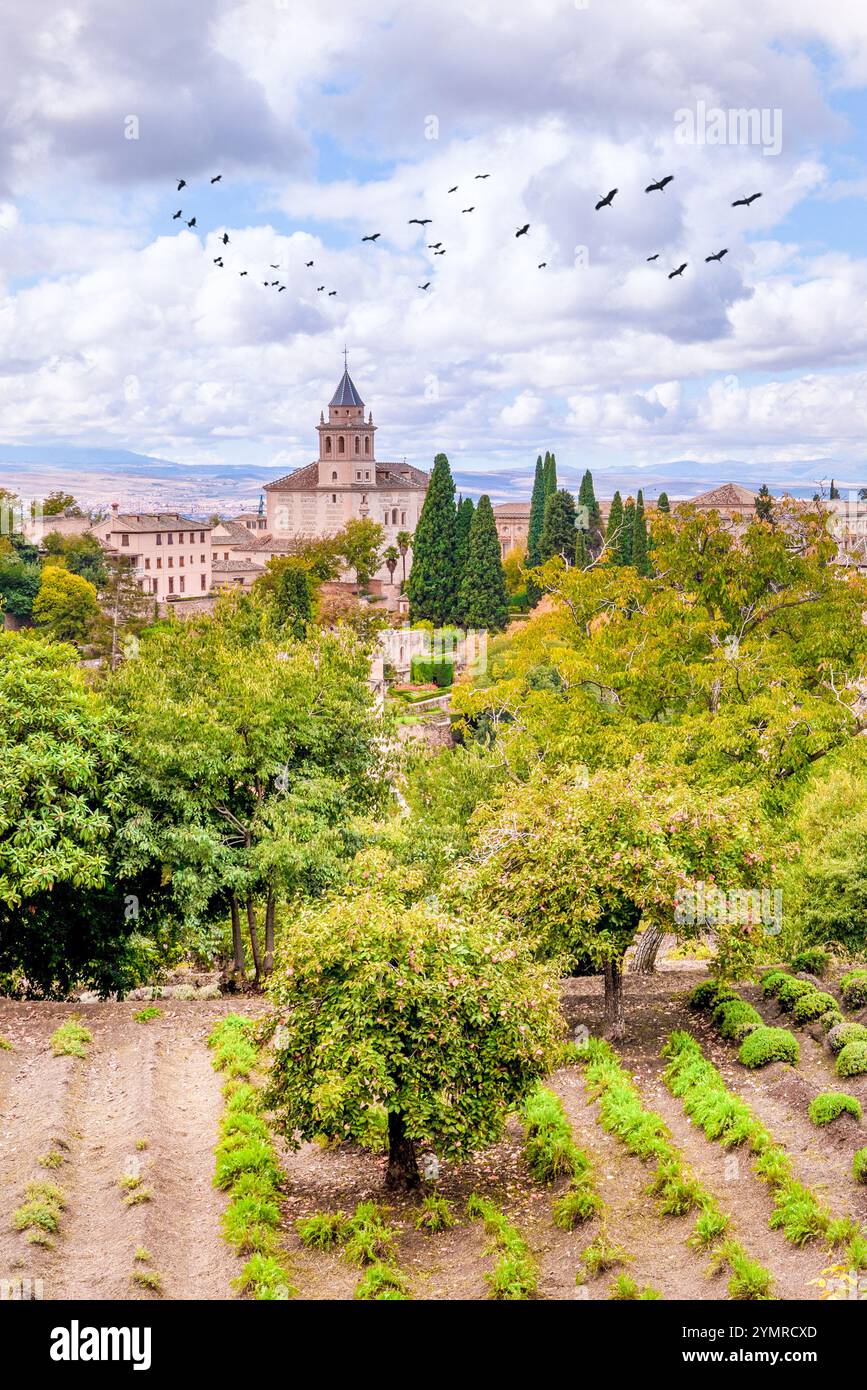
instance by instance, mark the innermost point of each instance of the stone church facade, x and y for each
(346, 481)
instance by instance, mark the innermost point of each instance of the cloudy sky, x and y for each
(332, 119)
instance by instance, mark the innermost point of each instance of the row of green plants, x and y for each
(808, 1004)
(367, 1239)
(247, 1166)
(725, 1118)
(515, 1275)
(677, 1190)
(552, 1153)
(737, 1021)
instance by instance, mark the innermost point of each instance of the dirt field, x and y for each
(147, 1102)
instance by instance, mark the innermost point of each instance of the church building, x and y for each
(346, 481)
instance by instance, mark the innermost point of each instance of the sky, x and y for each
(134, 367)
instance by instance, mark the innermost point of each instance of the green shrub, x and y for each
(323, 1230)
(71, 1039)
(773, 981)
(814, 960)
(264, 1277)
(708, 994)
(790, 990)
(440, 673)
(382, 1282)
(846, 1032)
(146, 1015)
(813, 1005)
(859, 1165)
(798, 1213)
(826, 1107)
(735, 1018)
(625, 1287)
(769, 1045)
(369, 1238)
(550, 1149)
(749, 1279)
(435, 1214)
(602, 1254)
(40, 1212)
(579, 1203)
(515, 1275)
(853, 988)
(852, 1059)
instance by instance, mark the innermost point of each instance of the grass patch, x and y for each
(602, 1254)
(142, 1255)
(148, 1014)
(435, 1214)
(382, 1282)
(53, 1159)
(625, 1287)
(137, 1196)
(322, 1231)
(71, 1039)
(264, 1279)
(515, 1276)
(859, 1165)
(5, 1044)
(40, 1212)
(552, 1153)
(148, 1279)
(233, 1041)
(369, 1238)
(826, 1107)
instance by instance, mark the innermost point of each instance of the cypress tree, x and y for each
(463, 522)
(835, 492)
(537, 514)
(431, 583)
(559, 531)
(639, 537)
(663, 503)
(587, 498)
(483, 600)
(764, 504)
(626, 531)
(550, 471)
(582, 555)
(613, 533)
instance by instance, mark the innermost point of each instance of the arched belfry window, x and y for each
(341, 445)
(334, 476)
(367, 444)
(357, 445)
(328, 444)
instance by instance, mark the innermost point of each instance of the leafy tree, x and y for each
(463, 523)
(66, 605)
(444, 1023)
(614, 530)
(663, 504)
(627, 531)
(82, 555)
(57, 502)
(537, 514)
(834, 493)
(126, 610)
(483, 601)
(320, 554)
(764, 504)
(514, 562)
(404, 541)
(826, 885)
(390, 556)
(639, 537)
(431, 584)
(19, 585)
(559, 531)
(291, 587)
(578, 864)
(361, 547)
(587, 499)
(550, 476)
(67, 916)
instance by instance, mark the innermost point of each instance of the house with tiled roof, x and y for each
(346, 481)
(731, 499)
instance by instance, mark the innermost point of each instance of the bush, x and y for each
(708, 994)
(790, 990)
(814, 1005)
(859, 1165)
(382, 1282)
(769, 1045)
(846, 1032)
(440, 673)
(853, 987)
(852, 1059)
(814, 960)
(827, 1106)
(735, 1018)
(772, 982)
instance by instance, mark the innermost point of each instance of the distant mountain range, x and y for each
(99, 476)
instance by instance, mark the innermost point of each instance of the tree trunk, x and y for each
(649, 942)
(269, 933)
(254, 938)
(239, 979)
(615, 1021)
(402, 1171)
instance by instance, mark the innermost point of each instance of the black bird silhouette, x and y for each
(373, 236)
(218, 260)
(541, 265)
(281, 289)
(332, 292)
(192, 222)
(419, 221)
(654, 258)
(319, 289)
(472, 209)
(425, 286)
(717, 255)
(434, 245)
(745, 202)
(274, 282)
(659, 186)
(439, 253)
(216, 178)
(454, 190)
(242, 272)
(308, 263)
(176, 215)
(483, 176)
(225, 238)
(522, 231)
(182, 183)
(679, 271)
(607, 200)
(273, 266)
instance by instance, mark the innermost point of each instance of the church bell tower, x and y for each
(346, 444)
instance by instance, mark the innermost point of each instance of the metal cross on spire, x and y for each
(345, 354)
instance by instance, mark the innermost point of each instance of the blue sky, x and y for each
(334, 119)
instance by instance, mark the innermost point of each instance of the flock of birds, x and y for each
(605, 201)
(659, 186)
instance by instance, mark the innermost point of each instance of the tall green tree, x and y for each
(663, 504)
(559, 530)
(66, 605)
(291, 587)
(537, 514)
(587, 499)
(463, 525)
(550, 471)
(431, 583)
(627, 531)
(361, 542)
(834, 493)
(764, 504)
(483, 600)
(614, 530)
(639, 537)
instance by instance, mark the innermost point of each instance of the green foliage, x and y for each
(626, 1288)
(853, 987)
(431, 583)
(859, 1165)
(71, 1039)
(749, 1280)
(558, 528)
(852, 1059)
(552, 1153)
(19, 584)
(735, 1018)
(435, 1214)
(148, 1279)
(603, 1254)
(290, 585)
(766, 1045)
(441, 673)
(829, 1104)
(264, 1278)
(790, 990)
(233, 1041)
(368, 1237)
(483, 602)
(148, 1014)
(708, 994)
(814, 960)
(846, 1032)
(515, 1275)
(361, 541)
(445, 1023)
(383, 1282)
(66, 605)
(812, 1005)
(773, 982)
(322, 1231)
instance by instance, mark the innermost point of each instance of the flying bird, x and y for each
(225, 238)
(216, 178)
(176, 215)
(332, 292)
(218, 260)
(483, 176)
(607, 200)
(242, 272)
(192, 222)
(717, 255)
(654, 257)
(419, 221)
(659, 186)
(472, 209)
(679, 271)
(434, 245)
(319, 289)
(425, 286)
(273, 266)
(522, 231)
(440, 253)
(274, 282)
(308, 263)
(281, 289)
(541, 265)
(182, 183)
(454, 190)
(373, 236)
(745, 202)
